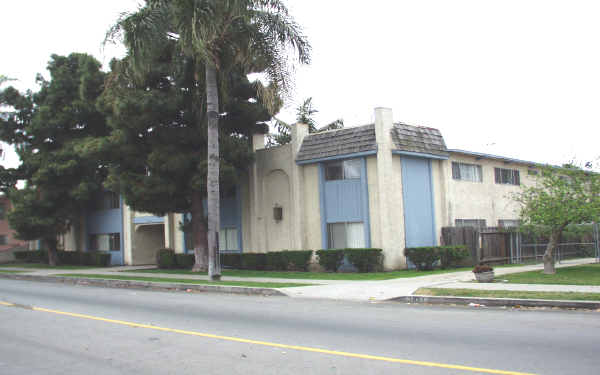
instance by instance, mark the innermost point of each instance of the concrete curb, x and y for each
(132, 284)
(498, 302)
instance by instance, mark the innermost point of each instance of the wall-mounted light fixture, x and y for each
(277, 212)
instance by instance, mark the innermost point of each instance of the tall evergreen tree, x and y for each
(47, 128)
(158, 141)
(225, 35)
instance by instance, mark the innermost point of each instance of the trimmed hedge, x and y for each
(253, 261)
(330, 259)
(74, 258)
(185, 260)
(288, 260)
(425, 258)
(233, 260)
(451, 256)
(165, 258)
(365, 260)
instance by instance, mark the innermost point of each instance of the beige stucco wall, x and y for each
(147, 240)
(312, 238)
(482, 200)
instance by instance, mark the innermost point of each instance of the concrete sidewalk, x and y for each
(345, 289)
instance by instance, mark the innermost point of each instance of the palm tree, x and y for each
(254, 35)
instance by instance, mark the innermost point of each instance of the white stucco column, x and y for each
(299, 132)
(387, 187)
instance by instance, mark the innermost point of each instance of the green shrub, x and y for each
(165, 258)
(423, 258)
(275, 261)
(365, 260)
(185, 261)
(32, 256)
(71, 257)
(233, 261)
(297, 260)
(99, 258)
(288, 260)
(330, 259)
(253, 261)
(450, 256)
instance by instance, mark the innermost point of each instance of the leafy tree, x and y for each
(46, 127)
(244, 35)
(560, 197)
(305, 115)
(158, 141)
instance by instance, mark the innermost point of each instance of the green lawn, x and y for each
(45, 266)
(10, 271)
(314, 275)
(185, 281)
(587, 274)
(572, 296)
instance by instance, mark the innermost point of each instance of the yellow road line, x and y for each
(276, 345)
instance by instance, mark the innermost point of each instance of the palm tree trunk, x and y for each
(212, 178)
(199, 234)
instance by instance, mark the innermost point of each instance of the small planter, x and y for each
(485, 277)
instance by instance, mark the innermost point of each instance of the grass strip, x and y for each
(11, 271)
(46, 266)
(569, 296)
(312, 275)
(186, 281)
(587, 274)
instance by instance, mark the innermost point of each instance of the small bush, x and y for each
(99, 258)
(330, 259)
(450, 256)
(275, 261)
(231, 261)
(288, 260)
(32, 256)
(253, 261)
(165, 258)
(365, 260)
(185, 261)
(297, 260)
(423, 258)
(482, 268)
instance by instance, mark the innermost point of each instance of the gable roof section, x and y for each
(337, 143)
(418, 139)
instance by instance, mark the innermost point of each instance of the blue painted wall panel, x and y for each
(343, 201)
(105, 222)
(418, 202)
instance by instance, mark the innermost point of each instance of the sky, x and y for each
(517, 78)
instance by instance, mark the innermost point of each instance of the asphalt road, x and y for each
(57, 329)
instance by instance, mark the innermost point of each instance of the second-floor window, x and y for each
(343, 170)
(507, 176)
(107, 201)
(466, 172)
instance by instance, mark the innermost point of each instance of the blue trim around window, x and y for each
(419, 155)
(364, 191)
(149, 220)
(337, 157)
(431, 185)
(365, 209)
(322, 206)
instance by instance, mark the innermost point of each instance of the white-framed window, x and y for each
(228, 239)
(466, 172)
(107, 201)
(507, 223)
(343, 170)
(475, 223)
(507, 176)
(105, 242)
(346, 235)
